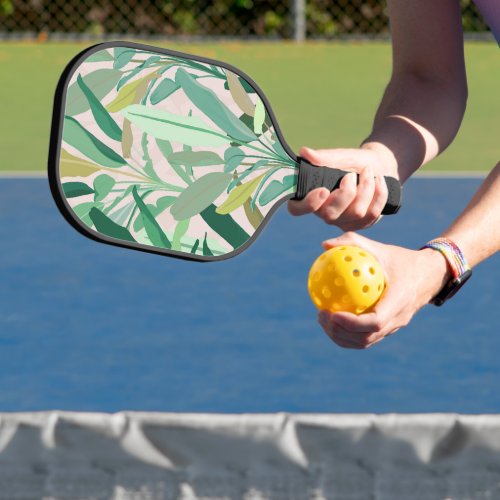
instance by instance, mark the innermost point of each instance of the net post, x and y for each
(299, 20)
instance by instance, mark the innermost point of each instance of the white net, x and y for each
(155, 456)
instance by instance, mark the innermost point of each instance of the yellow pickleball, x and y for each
(346, 278)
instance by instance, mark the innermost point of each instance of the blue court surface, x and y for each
(91, 327)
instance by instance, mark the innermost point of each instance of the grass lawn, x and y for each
(323, 94)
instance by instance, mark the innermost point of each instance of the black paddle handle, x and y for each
(312, 177)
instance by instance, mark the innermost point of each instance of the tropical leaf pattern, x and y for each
(169, 152)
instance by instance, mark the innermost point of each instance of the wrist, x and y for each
(437, 272)
(457, 266)
(386, 156)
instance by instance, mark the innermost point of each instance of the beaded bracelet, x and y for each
(452, 254)
(460, 269)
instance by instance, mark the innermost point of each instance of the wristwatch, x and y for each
(460, 270)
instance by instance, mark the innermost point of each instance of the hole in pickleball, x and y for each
(372, 270)
(346, 299)
(339, 281)
(348, 258)
(360, 309)
(379, 288)
(331, 268)
(366, 289)
(327, 293)
(317, 276)
(356, 273)
(362, 254)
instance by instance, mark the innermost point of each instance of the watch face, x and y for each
(451, 288)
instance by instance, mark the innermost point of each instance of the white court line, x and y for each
(454, 174)
(23, 175)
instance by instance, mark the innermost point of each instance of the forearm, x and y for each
(424, 103)
(416, 120)
(477, 230)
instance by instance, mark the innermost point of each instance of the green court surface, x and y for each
(323, 94)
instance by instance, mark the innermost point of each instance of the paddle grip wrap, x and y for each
(312, 177)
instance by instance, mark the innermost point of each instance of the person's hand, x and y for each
(413, 278)
(351, 206)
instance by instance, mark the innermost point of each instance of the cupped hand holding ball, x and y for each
(370, 291)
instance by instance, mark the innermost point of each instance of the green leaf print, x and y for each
(180, 230)
(239, 94)
(225, 226)
(246, 173)
(280, 150)
(75, 135)
(148, 62)
(100, 56)
(276, 188)
(165, 88)
(239, 195)
(182, 173)
(259, 117)
(107, 210)
(82, 211)
(161, 205)
(130, 93)
(206, 249)
(105, 225)
(101, 116)
(122, 57)
(269, 174)
(207, 101)
(165, 147)
(101, 82)
(233, 157)
(161, 124)
(75, 189)
(103, 184)
(254, 215)
(249, 122)
(72, 166)
(195, 246)
(199, 195)
(195, 158)
(148, 166)
(123, 214)
(153, 229)
(127, 139)
(248, 88)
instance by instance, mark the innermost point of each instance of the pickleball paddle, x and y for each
(171, 153)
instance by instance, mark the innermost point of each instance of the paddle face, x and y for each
(164, 152)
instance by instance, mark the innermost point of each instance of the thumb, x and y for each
(338, 158)
(310, 155)
(349, 238)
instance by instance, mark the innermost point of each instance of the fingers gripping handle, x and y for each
(312, 177)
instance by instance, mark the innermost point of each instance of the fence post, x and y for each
(299, 20)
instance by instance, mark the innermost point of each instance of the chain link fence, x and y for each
(203, 18)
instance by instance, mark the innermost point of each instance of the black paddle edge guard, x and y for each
(312, 177)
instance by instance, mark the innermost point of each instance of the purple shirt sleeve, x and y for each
(490, 9)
